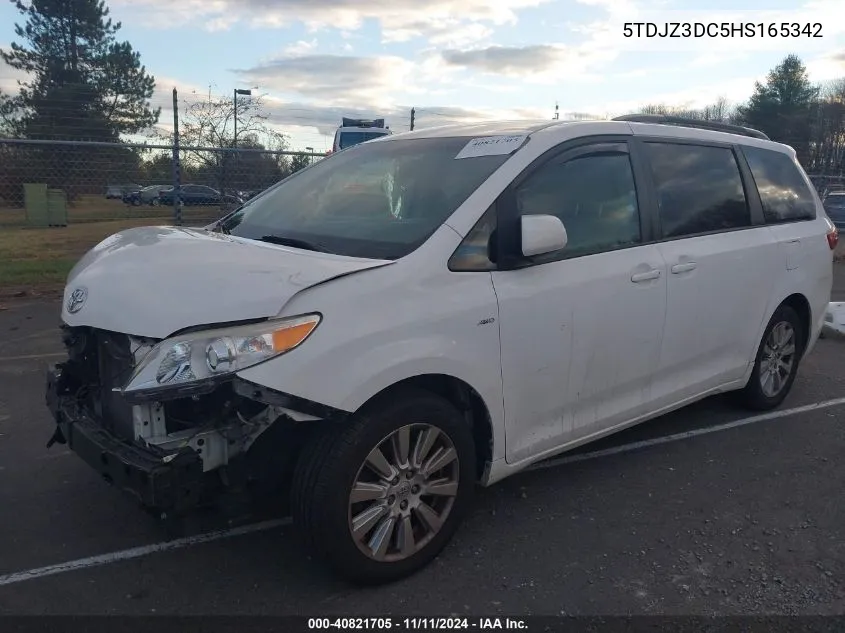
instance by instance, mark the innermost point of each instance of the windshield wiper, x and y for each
(281, 240)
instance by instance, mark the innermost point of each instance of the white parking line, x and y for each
(685, 435)
(145, 550)
(10, 359)
(137, 552)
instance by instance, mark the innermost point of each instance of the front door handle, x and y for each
(682, 268)
(646, 276)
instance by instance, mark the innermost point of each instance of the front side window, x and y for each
(785, 195)
(594, 196)
(699, 189)
(474, 253)
(379, 200)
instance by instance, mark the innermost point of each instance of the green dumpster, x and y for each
(35, 202)
(57, 207)
(44, 207)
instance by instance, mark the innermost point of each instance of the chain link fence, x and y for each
(113, 181)
(94, 182)
(827, 183)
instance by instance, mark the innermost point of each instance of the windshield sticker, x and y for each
(491, 146)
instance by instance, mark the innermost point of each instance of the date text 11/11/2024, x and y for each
(416, 624)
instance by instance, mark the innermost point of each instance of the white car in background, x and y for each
(505, 293)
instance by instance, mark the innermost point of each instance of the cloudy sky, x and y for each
(454, 60)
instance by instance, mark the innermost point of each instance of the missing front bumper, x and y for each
(161, 481)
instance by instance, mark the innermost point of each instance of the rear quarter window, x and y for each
(785, 195)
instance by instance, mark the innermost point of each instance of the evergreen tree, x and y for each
(84, 83)
(783, 107)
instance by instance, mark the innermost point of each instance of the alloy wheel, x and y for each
(404, 492)
(778, 359)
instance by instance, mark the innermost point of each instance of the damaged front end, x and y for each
(172, 443)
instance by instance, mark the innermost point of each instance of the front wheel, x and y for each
(776, 364)
(379, 497)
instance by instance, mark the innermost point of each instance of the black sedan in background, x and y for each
(197, 195)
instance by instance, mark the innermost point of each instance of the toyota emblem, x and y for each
(77, 300)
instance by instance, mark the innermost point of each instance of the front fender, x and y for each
(347, 377)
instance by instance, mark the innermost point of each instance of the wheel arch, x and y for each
(801, 305)
(460, 394)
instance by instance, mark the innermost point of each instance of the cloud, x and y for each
(827, 67)
(457, 35)
(326, 119)
(301, 47)
(299, 118)
(508, 60)
(453, 21)
(735, 90)
(331, 78)
(544, 63)
(346, 80)
(9, 76)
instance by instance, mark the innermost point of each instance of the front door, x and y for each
(581, 328)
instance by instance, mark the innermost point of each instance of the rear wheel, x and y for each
(379, 497)
(777, 361)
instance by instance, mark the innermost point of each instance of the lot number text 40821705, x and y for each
(417, 624)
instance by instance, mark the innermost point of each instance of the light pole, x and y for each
(246, 93)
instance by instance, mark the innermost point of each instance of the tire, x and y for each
(334, 460)
(155, 202)
(755, 396)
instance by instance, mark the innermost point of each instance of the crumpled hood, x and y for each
(154, 281)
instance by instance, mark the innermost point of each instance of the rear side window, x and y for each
(785, 195)
(699, 189)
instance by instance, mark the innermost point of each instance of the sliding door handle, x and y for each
(682, 268)
(646, 276)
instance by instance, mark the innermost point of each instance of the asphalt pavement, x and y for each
(741, 518)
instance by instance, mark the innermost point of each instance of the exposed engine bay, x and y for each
(201, 436)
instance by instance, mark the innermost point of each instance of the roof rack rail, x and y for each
(696, 123)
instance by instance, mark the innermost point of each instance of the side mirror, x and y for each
(542, 234)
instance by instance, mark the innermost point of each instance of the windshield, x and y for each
(348, 139)
(379, 200)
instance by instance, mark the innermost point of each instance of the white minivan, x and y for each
(370, 349)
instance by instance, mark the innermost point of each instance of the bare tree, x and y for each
(827, 131)
(720, 111)
(231, 163)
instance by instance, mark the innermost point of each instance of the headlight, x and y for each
(201, 358)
